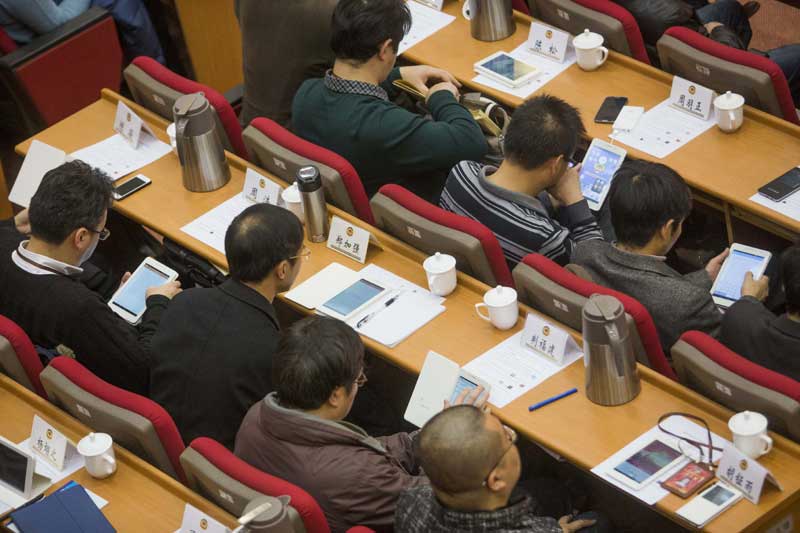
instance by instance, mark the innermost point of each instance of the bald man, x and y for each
(473, 465)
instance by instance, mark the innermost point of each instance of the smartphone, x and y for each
(507, 70)
(611, 107)
(708, 504)
(131, 186)
(780, 188)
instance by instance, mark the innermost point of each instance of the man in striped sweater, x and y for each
(533, 201)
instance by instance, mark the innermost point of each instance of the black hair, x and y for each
(259, 238)
(315, 356)
(542, 128)
(643, 197)
(71, 196)
(790, 274)
(359, 27)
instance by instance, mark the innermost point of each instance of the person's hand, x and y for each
(757, 288)
(168, 289)
(477, 397)
(568, 525)
(23, 222)
(568, 189)
(125, 277)
(420, 76)
(443, 86)
(715, 264)
(709, 26)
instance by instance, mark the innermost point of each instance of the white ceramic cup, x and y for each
(501, 302)
(172, 138)
(293, 202)
(589, 50)
(749, 431)
(98, 451)
(730, 111)
(441, 272)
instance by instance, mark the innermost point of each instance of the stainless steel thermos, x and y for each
(309, 183)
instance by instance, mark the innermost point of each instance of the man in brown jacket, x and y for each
(298, 432)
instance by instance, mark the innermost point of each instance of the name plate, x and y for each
(348, 239)
(128, 124)
(48, 443)
(195, 521)
(259, 189)
(744, 473)
(548, 41)
(691, 97)
(547, 339)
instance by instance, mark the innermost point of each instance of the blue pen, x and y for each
(551, 400)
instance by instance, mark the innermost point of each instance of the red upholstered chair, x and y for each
(612, 21)
(715, 371)
(431, 229)
(557, 292)
(521, 5)
(690, 55)
(137, 423)
(59, 73)
(156, 87)
(281, 152)
(18, 357)
(217, 474)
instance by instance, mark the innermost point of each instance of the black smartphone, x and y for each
(610, 109)
(131, 186)
(779, 188)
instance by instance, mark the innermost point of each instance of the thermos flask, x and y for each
(309, 183)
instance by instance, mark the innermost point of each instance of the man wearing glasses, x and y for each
(41, 291)
(213, 352)
(474, 465)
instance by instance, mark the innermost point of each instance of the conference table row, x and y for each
(575, 428)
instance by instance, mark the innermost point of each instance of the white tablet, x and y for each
(129, 300)
(353, 299)
(16, 469)
(708, 504)
(507, 70)
(600, 163)
(727, 287)
(647, 464)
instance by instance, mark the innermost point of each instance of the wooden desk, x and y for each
(141, 498)
(724, 169)
(575, 428)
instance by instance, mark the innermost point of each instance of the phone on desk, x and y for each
(353, 299)
(708, 504)
(782, 187)
(129, 300)
(599, 165)
(506, 69)
(131, 186)
(610, 108)
(727, 287)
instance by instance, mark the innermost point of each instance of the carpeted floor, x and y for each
(776, 24)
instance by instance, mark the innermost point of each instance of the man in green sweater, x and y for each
(349, 111)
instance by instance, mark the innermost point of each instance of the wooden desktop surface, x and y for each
(582, 432)
(141, 498)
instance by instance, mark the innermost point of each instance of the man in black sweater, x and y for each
(213, 350)
(40, 289)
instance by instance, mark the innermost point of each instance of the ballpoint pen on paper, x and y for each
(370, 316)
(551, 400)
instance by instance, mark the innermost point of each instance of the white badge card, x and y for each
(546, 339)
(259, 189)
(195, 521)
(744, 473)
(691, 97)
(348, 239)
(128, 124)
(548, 41)
(47, 442)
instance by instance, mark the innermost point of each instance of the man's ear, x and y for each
(386, 50)
(667, 231)
(495, 481)
(338, 397)
(81, 237)
(283, 269)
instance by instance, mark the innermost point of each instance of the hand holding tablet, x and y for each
(728, 283)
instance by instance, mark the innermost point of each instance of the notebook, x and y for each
(65, 511)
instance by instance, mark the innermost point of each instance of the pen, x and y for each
(551, 400)
(369, 317)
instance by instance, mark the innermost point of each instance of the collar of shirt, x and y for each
(788, 326)
(341, 85)
(516, 513)
(657, 257)
(515, 197)
(41, 265)
(248, 295)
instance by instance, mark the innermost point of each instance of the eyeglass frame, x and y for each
(512, 437)
(103, 234)
(305, 254)
(361, 380)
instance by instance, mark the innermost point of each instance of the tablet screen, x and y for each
(597, 172)
(507, 67)
(353, 297)
(729, 286)
(132, 296)
(647, 461)
(13, 467)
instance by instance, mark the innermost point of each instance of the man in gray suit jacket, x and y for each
(649, 202)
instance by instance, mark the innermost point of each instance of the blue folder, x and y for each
(69, 510)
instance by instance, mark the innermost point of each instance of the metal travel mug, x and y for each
(309, 183)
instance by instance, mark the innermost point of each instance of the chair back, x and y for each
(712, 369)
(521, 6)
(688, 54)
(137, 423)
(18, 357)
(7, 44)
(276, 149)
(431, 229)
(560, 294)
(156, 87)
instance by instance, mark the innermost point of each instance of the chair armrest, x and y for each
(234, 96)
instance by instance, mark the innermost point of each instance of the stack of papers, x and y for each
(210, 227)
(424, 23)
(789, 207)
(116, 157)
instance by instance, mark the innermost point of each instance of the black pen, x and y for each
(367, 318)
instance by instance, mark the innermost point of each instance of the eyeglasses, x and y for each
(305, 253)
(512, 440)
(361, 380)
(103, 234)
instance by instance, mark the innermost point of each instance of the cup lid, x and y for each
(747, 423)
(94, 444)
(587, 39)
(729, 101)
(500, 296)
(439, 263)
(291, 194)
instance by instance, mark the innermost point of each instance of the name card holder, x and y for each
(259, 189)
(130, 125)
(744, 473)
(195, 521)
(49, 444)
(548, 42)
(348, 240)
(547, 339)
(691, 98)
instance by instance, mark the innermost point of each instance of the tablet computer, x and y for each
(129, 300)
(353, 299)
(727, 288)
(16, 469)
(507, 70)
(647, 464)
(599, 165)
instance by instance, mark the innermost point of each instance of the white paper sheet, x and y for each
(549, 69)
(653, 492)
(210, 227)
(664, 129)
(323, 285)
(425, 22)
(789, 207)
(512, 370)
(72, 463)
(116, 157)
(41, 159)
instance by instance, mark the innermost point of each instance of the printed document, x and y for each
(210, 227)
(116, 157)
(425, 21)
(789, 207)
